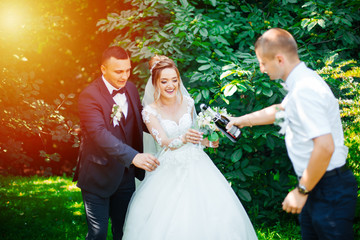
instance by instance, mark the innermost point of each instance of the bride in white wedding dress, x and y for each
(186, 197)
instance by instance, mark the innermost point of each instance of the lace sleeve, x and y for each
(152, 122)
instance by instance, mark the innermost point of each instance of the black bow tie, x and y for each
(121, 91)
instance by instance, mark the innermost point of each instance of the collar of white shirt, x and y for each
(290, 80)
(120, 99)
(109, 87)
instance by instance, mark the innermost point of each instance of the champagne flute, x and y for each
(199, 129)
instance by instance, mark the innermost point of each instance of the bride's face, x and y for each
(168, 83)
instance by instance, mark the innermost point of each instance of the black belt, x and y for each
(335, 171)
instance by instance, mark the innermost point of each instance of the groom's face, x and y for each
(116, 71)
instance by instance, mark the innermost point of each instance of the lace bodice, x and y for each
(168, 133)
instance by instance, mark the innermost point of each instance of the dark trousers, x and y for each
(330, 209)
(99, 210)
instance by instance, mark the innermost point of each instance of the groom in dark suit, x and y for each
(110, 155)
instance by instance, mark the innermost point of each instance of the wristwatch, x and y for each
(302, 189)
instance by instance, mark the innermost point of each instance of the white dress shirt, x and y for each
(312, 111)
(119, 99)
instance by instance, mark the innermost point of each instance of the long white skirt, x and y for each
(186, 198)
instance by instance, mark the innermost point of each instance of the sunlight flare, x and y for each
(12, 18)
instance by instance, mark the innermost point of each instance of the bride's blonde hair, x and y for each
(156, 65)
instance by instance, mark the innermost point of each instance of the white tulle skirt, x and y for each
(186, 198)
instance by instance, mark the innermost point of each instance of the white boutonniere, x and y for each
(116, 114)
(281, 120)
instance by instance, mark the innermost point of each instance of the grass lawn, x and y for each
(52, 208)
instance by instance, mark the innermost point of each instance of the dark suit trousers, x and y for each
(99, 210)
(330, 209)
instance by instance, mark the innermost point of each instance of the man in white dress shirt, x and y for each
(327, 191)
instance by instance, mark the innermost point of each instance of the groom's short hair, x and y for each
(275, 41)
(114, 51)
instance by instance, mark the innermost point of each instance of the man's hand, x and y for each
(145, 161)
(237, 121)
(294, 202)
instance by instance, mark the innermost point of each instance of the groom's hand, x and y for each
(145, 161)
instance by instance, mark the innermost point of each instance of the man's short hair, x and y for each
(276, 40)
(114, 51)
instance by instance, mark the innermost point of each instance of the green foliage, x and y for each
(27, 117)
(344, 78)
(49, 52)
(212, 42)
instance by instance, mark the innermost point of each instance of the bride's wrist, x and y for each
(183, 139)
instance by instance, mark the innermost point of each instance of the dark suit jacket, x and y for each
(103, 154)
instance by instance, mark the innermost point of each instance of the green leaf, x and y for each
(311, 26)
(247, 148)
(213, 137)
(184, 3)
(218, 52)
(226, 74)
(347, 22)
(267, 92)
(196, 76)
(305, 22)
(62, 96)
(205, 93)
(244, 8)
(202, 59)
(213, 3)
(69, 123)
(248, 172)
(198, 98)
(337, 20)
(236, 156)
(71, 95)
(221, 39)
(230, 89)
(57, 101)
(266, 84)
(244, 163)
(204, 67)
(229, 66)
(75, 145)
(321, 23)
(307, 4)
(264, 192)
(242, 87)
(165, 35)
(244, 195)
(204, 32)
(224, 99)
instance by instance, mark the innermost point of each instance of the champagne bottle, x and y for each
(221, 121)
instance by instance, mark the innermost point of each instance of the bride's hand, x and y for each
(207, 143)
(193, 136)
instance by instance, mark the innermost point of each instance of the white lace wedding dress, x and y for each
(186, 197)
